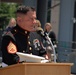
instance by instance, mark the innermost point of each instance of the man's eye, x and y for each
(32, 19)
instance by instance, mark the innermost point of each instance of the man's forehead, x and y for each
(31, 14)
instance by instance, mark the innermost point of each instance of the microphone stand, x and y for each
(48, 40)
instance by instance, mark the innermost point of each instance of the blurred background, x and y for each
(60, 13)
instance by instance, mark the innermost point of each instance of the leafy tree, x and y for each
(7, 11)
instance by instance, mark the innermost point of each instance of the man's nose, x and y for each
(34, 21)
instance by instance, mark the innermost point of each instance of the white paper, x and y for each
(29, 58)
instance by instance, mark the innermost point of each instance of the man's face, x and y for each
(28, 21)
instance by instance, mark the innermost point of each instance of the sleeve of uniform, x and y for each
(9, 49)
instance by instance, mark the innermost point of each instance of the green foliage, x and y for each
(7, 11)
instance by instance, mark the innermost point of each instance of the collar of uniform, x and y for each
(22, 30)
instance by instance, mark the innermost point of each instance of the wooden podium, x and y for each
(37, 69)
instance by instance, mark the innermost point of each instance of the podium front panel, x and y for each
(37, 69)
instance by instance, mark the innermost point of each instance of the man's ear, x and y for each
(19, 19)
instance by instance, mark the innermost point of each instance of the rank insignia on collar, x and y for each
(11, 48)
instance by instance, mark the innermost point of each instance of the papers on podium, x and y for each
(31, 58)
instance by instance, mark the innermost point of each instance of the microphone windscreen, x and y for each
(39, 29)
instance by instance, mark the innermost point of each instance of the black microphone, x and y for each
(44, 35)
(41, 32)
(47, 39)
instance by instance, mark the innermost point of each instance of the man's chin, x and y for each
(32, 31)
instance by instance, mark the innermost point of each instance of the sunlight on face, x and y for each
(28, 21)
